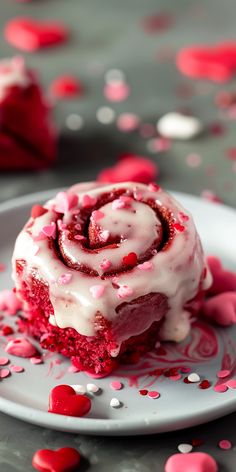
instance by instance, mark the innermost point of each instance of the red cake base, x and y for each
(89, 354)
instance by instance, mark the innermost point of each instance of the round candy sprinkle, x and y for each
(74, 122)
(223, 373)
(143, 392)
(116, 385)
(92, 388)
(175, 378)
(221, 388)
(225, 444)
(36, 360)
(4, 373)
(4, 361)
(194, 377)
(231, 383)
(193, 160)
(17, 369)
(204, 384)
(79, 389)
(115, 403)
(185, 448)
(153, 394)
(105, 115)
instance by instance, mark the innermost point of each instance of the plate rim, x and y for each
(116, 427)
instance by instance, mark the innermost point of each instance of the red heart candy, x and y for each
(65, 459)
(130, 168)
(193, 462)
(66, 86)
(64, 401)
(217, 63)
(130, 260)
(38, 210)
(29, 34)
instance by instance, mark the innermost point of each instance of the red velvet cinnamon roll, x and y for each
(104, 271)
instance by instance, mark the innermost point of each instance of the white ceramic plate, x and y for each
(25, 395)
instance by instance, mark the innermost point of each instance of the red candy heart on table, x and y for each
(63, 400)
(191, 462)
(65, 459)
(28, 34)
(66, 86)
(130, 168)
(217, 63)
(223, 280)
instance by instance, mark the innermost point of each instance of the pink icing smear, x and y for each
(191, 462)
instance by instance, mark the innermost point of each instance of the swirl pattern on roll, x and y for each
(104, 251)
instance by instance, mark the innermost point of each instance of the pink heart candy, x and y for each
(223, 280)
(191, 462)
(49, 230)
(65, 201)
(20, 347)
(9, 302)
(221, 309)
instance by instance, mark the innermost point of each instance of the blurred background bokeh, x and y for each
(141, 39)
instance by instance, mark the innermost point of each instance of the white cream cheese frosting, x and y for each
(174, 270)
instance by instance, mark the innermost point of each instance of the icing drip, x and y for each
(113, 253)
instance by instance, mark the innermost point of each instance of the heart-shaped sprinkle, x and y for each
(79, 389)
(221, 374)
(147, 265)
(65, 202)
(104, 235)
(4, 361)
(20, 347)
(38, 210)
(92, 388)
(194, 462)
(97, 291)
(178, 227)
(29, 34)
(50, 230)
(6, 330)
(79, 237)
(64, 401)
(130, 260)
(194, 377)
(185, 448)
(4, 373)
(88, 201)
(220, 388)
(182, 217)
(105, 264)
(65, 459)
(124, 291)
(97, 215)
(215, 62)
(116, 385)
(117, 204)
(153, 394)
(115, 403)
(64, 279)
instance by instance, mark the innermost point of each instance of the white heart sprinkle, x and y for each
(92, 388)
(185, 448)
(79, 389)
(194, 377)
(115, 403)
